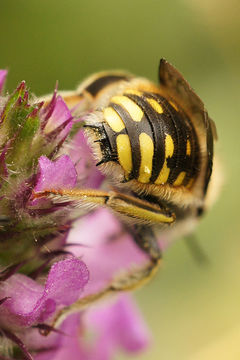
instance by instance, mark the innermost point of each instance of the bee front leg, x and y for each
(129, 207)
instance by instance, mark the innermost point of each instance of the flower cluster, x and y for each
(50, 256)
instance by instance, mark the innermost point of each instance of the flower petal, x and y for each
(88, 174)
(99, 334)
(3, 74)
(117, 326)
(60, 114)
(30, 302)
(58, 174)
(68, 346)
(65, 280)
(108, 250)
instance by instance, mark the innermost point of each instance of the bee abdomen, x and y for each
(155, 143)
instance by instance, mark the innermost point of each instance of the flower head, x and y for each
(48, 260)
(25, 142)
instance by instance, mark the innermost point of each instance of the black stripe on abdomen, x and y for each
(157, 133)
(97, 85)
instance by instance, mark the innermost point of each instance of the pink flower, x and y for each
(63, 254)
(60, 174)
(29, 302)
(97, 334)
(88, 174)
(102, 240)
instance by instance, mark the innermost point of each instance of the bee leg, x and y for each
(145, 239)
(130, 207)
(197, 252)
(130, 280)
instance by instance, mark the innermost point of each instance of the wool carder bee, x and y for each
(154, 143)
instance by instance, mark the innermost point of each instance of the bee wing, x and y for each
(175, 88)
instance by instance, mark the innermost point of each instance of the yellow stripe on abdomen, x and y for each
(124, 153)
(188, 150)
(132, 108)
(155, 105)
(179, 179)
(165, 171)
(147, 151)
(113, 119)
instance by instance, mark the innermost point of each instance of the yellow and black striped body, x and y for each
(150, 138)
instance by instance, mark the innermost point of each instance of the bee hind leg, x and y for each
(143, 236)
(129, 280)
(147, 242)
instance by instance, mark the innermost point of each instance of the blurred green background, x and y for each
(193, 311)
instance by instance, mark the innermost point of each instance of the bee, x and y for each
(155, 145)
